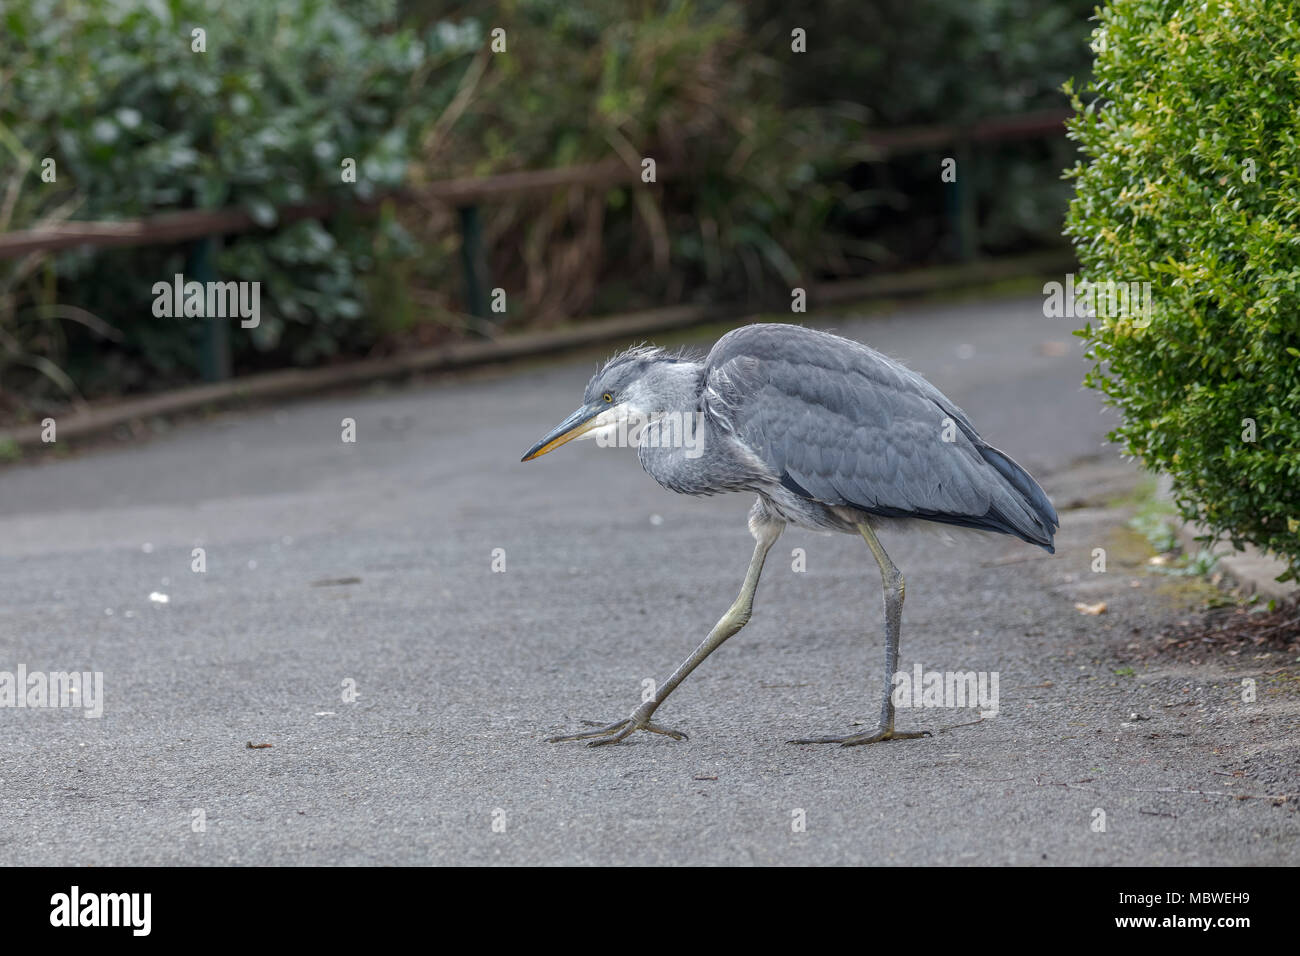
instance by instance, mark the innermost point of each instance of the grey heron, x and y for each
(831, 435)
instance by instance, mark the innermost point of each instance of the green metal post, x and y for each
(214, 346)
(963, 212)
(473, 262)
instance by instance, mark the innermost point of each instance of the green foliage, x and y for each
(923, 62)
(1153, 524)
(746, 182)
(1202, 563)
(139, 122)
(933, 61)
(764, 178)
(1193, 186)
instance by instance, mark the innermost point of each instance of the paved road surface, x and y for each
(608, 581)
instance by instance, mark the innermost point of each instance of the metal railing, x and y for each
(201, 227)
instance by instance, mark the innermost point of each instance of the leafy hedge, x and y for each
(747, 182)
(1194, 186)
(140, 122)
(764, 183)
(921, 62)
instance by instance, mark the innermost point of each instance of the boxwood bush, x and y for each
(1192, 183)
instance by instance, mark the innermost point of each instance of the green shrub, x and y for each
(1193, 186)
(763, 186)
(922, 62)
(748, 181)
(139, 122)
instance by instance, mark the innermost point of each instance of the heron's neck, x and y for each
(669, 448)
(675, 386)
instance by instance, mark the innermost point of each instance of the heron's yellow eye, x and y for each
(607, 397)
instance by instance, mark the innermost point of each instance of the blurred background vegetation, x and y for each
(772, 181)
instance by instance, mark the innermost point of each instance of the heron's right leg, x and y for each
(892, 580)
(737, 616)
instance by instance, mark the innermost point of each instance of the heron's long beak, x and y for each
(575, 426)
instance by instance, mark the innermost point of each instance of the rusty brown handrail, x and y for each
(197, 223)
(201, 226)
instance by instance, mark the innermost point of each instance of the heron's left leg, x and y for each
(892, 579)
(737, 616)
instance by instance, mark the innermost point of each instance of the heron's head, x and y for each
(634, 386)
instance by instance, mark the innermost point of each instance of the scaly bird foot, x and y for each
(618, 731)
(853, 740)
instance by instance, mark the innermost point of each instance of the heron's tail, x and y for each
(1034, 520)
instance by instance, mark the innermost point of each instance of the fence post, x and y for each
(214, 346)
(963, 211)
(473, 263)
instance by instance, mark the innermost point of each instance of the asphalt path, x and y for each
(404, 618)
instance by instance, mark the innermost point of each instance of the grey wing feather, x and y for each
(841, 424)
